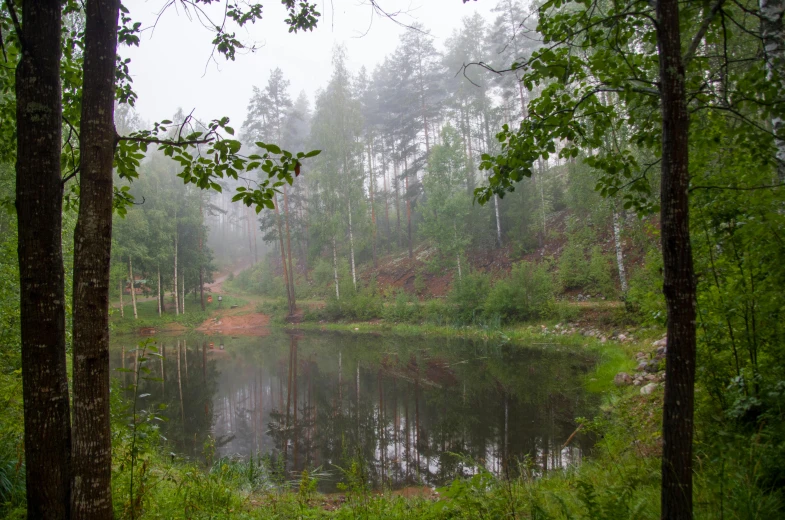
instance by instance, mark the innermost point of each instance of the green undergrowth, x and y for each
(619, 481)
(147, 312)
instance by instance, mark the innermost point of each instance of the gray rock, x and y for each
(646, 390)
(652, 366)
(641, 366)
(660, 343)
(622, 379)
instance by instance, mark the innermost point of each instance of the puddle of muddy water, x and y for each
(414, 411)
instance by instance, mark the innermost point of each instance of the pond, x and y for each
(413, 410)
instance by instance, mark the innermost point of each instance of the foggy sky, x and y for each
(171, 68)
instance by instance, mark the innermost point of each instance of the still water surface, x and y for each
(415, 410)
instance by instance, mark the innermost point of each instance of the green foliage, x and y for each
(467, 296)
(645, 294)
(573, 266)
(404, 308)
(361, 305)
(524, 295)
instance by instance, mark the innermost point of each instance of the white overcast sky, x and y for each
(171, 70)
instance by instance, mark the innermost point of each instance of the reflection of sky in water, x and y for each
(414, 410)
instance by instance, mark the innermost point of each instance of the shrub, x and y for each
(405, 309)
(467, 296)
(573, 266)
(525, 294)
(645, 293)
(599, 275)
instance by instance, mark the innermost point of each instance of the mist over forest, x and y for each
(525, 262)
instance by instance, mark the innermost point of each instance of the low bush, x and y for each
(524, 295)
(467, 297)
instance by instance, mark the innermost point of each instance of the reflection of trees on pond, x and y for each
(186, 398)
(411, 411)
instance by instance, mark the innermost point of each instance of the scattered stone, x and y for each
(660, 343)
(650, 377)
(622, 337)
(603, 339)
(653, 366)
(622, 378)
(637, 382)
(646, 390)
(641, 366)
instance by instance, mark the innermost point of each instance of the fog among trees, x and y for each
(598, 178)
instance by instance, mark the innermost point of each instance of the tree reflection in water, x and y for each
(413, 411)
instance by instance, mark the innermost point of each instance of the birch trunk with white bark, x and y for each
(772, 32)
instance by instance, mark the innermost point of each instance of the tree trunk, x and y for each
(408, 207)
(679, 279)
(201, 249)
(161, 303)
(386, 197)
(772, 31)
(176, 302)
(335, 272)
(248, 230)
(92, 447)
(397, 202)
(289, 248)
(619, 251)
(498, 221)
(122, 312)
(183, 292)
(457, 252)
(39, 194)
(289, 297)
(371, 182)
(133, 288)
(351, 247)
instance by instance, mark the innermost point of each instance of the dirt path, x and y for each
(242, 321)
(217, 285)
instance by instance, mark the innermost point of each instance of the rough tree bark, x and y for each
(39, 194)
(122, 312)
(679, 280)
(92, 447)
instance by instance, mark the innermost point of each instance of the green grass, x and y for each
(147, 312)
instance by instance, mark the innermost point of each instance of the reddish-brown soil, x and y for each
(396, 272)
(246, 324)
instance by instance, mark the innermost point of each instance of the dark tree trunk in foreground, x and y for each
(92, 449)
(39, 195)
(679, 280)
